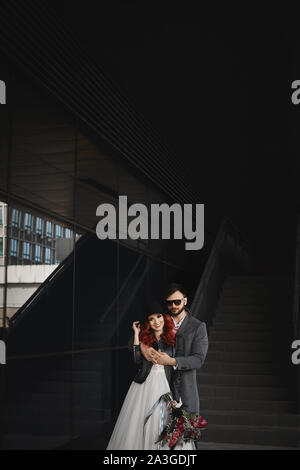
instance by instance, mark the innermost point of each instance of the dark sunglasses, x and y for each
(176, 302)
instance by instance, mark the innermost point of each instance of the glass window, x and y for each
(15, 218)
(1, 246)
(49, 229)
(58, 231)
(1, 215)
(38, 253)
(68, 233)
(48, 256)
(27, 221)
(13, 247)
(38, 228)
(26, 250)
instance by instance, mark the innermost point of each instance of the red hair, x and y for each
(147, 335)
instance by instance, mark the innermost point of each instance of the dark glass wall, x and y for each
(68, 366)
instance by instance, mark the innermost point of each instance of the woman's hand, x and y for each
(149, 353)
(136, 327)
(173, 405)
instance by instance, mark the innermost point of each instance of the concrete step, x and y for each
(263, 435)
(242, 393)
(228, 317)
(236, 290)
(239, 356)
(245, 302)
(239, 346)
(253, 419)
(247, 335)
(249, 380)
(238, 368)
(257, 406)
(257, 280)
(260, 293)
(244, 309)
(239, 326)
(204, 445)
(229, 293)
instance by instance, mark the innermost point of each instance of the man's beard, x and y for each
(175, 314)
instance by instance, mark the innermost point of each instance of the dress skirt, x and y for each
(139, 425)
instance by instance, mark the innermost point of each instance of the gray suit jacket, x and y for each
(190, 352)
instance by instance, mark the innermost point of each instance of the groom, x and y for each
(190, 349)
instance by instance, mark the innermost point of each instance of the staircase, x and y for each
(244, 395)
(54, 399)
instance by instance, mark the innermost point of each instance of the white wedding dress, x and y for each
(129, 432)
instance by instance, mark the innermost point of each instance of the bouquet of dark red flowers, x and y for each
(182, 425)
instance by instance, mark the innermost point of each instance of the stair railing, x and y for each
(123, 288)
(25, 308)
(231, 252)
(67, 352)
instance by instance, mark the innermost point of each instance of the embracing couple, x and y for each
(167, 346)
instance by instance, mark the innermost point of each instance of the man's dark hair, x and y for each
(173, 287)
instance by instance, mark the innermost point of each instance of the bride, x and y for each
(144, 413)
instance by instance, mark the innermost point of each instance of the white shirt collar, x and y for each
(178, 324)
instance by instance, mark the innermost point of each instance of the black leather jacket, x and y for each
(144, 366)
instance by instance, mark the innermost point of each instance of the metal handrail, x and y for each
(68, 352)
(122, 288)
(44, 286)
(227, 228)
(199, 294)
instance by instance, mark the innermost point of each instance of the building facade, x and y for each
(31, 239)
(31, 247)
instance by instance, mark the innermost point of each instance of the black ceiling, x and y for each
(215, 82)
